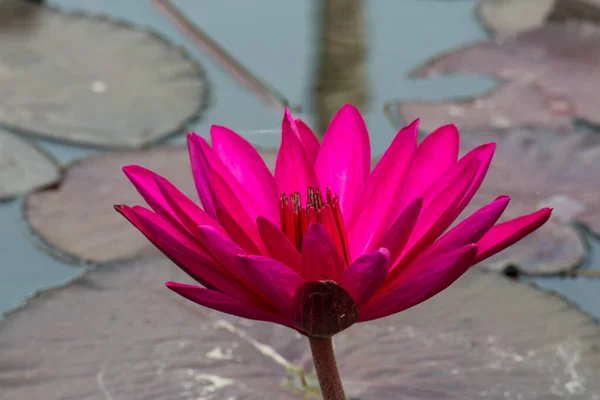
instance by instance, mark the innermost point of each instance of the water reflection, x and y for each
(341, 74)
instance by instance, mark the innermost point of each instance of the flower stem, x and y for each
(326, 367)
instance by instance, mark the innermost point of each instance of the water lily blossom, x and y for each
(324, 242)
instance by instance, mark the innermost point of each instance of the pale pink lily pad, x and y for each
(556, 65)
(496, 108)
(118, 333)
(77, 218)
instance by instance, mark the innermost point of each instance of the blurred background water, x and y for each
(276, 40)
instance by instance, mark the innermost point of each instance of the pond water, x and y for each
(275, 40)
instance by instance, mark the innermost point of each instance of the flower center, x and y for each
(296, 218)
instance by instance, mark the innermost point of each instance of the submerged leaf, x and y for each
(117, 333)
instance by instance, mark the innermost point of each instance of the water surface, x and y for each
(275, 39)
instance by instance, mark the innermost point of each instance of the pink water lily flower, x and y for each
(324, 242)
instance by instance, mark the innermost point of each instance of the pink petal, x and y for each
(344, 161)
(232, 206)
(439, 204)
(469, 231)
(294, 171)
(220, 247)
(483, 154)
(397, 236)
(128, 213)
(377, 209)
(248, 168)
(433, 158)
(190, 257)
(421, 283)
(200, 169)
(267, 278)
(320, 258)
(507, 233)
(440, 214)
(309, 140)
(363, 278)
(273, 281)
(188, 212)
(143, 180)
(221, 302)
(278, 245)
(249, 204)
(236, 232)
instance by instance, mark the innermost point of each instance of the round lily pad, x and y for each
(496, 108)
(24, 166)
(511, 17)
(93, 79)
(117, 333)
(557, 63)
(77, 218)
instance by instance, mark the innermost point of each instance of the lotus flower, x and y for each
(324, 242)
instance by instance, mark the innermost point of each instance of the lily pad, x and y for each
(496, 108)
(556, 62)
(77, 218)
(537, 169)
(59, 79)
(511, 17)
(24, 166)
(117, 333)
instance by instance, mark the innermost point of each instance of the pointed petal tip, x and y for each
(415, 123)
(133, 168)
(349, 107)
(545, 214)
(417, 203)
(451, 127)
(385, 253)
(181, 288)
(470, 247)
(500, 202)
(192, 137)
(490, 146)
(134, 172)
(287, 115)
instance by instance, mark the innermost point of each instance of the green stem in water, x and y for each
(326, 368)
